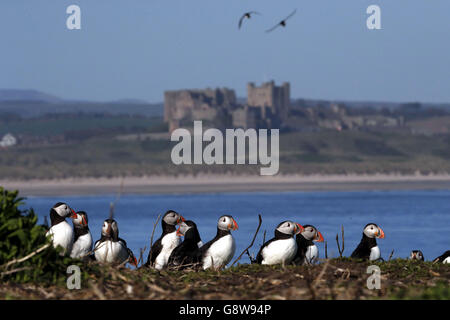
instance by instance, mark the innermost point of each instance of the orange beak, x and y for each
(74, 214)
(179, 233)
(180, 220)
(319, 237)
(133, 261)
(233, 225)
(299, 228)
(380, 233)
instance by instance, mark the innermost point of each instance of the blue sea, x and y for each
(409, 219)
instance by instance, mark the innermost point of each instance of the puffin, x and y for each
(186, 253)
(282, 248)
(444, 258)
(219, 251)
(82, 244)
(60, 231)
(416, 255)
(307, 251)
(110, 248)
(160, 251)
(368, 248)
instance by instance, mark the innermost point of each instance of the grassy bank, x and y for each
(335, 279)
(324, 152)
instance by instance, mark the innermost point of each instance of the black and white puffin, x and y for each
(282, 248)
(160, 251)
(60, 231)
(186, 253)
(416, 255)
(110, 248)
(307, 251)
(368, 248)
(444, 258)
(82, 244)
(218, 252)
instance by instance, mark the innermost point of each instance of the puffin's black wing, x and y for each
(202, 250)
(259, 257)
(154, 252)
(441, 258)
(361, 251)
(302, 247)
(177, 254)
(124, 243)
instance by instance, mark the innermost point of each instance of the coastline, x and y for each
(227, 183)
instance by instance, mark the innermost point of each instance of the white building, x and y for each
(8, 140)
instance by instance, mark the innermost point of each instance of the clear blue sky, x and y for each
(139, 48)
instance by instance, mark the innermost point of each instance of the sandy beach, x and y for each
(226, 183)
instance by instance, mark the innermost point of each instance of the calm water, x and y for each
(410, 219)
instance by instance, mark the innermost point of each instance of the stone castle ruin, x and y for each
(267, 106)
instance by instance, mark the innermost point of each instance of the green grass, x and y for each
(325, 152)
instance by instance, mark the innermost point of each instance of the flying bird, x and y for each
(247, 15)
(282, 22)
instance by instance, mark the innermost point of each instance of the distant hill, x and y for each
(8, 95)
(31, 109)
(33, 103)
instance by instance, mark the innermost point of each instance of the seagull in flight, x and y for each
(282, 22)
(247, 15)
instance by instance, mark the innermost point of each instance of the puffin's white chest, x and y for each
(279, 251)
(221, 252)
(169, 242)
(82, 246)
(62, 235)
(311, 255)
(375, 253)
(110, 252)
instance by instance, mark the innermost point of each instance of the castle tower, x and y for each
(270, 96)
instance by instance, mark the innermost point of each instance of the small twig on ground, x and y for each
(151, 238)
(341, 251)
(322, 272)
(141, 255)
(252, 259)
(251, 244)
(32, 254)
(97, 291)
(390, 256)
(14, 271)
(326, 250)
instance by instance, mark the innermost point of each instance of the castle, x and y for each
(267, 106)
